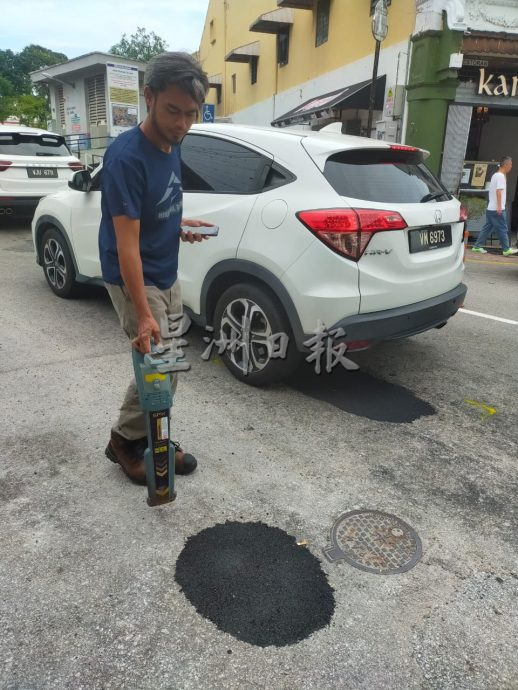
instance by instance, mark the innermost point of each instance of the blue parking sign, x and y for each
(208, 112)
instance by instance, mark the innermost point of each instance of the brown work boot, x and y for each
(184, 463)
(124, 452)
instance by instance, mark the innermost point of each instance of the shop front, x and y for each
(482, 125)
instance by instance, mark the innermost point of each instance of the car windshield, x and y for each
(383, 175)
(16, 144)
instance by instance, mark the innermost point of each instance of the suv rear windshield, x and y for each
(383, 176)
(15, 144)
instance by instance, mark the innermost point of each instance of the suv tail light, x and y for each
(76, 166)
(402, 147)
(347, 230)
(463, 214)
(4, 165)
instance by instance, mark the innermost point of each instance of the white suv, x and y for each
(353, 233)
(33, 162)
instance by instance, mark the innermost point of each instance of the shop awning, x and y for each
(297, 4)
(481, 45)
(244, 53)
(216, 80)
(273, 22)
(351, 97)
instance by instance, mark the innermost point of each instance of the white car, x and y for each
(353, 233)
(33, 163)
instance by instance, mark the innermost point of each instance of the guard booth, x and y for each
(93, 98)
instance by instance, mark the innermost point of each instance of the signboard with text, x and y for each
(123, 97)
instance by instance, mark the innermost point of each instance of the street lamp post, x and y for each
(379, 31)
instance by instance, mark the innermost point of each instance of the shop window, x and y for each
(283, 47)
(374, 3)
(322, 32)
(253, 69)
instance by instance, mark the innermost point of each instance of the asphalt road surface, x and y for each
(91, 596)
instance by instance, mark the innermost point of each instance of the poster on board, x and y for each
(479, 175)
(123, 97)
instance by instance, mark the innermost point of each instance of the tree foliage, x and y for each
(18, 95)
(31, 110)
(6, 94)
(141, 45)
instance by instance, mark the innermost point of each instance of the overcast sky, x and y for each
(77, 27)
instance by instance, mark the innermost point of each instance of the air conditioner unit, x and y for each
(97, 131)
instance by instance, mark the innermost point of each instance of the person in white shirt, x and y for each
(496, 218)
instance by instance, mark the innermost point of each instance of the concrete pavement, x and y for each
(89, 597)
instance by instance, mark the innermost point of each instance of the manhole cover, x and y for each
(374, 541)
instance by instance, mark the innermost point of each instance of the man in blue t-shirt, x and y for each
(140, 232)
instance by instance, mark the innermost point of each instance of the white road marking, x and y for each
(488, 316)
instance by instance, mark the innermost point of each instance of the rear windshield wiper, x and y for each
(432, 196)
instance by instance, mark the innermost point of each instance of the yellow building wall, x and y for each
(350, 39)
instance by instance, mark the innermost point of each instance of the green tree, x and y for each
(18, 94)
(6, 93)
(139, 46)
(32, 110)
(34, 57)
(9, 70)
(15, 67)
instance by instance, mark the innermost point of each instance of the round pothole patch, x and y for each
(254, 582)
(374, 541)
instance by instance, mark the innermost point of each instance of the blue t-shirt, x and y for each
(142, 182)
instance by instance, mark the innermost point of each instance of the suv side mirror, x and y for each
(81, 181)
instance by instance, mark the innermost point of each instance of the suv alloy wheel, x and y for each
(57, 264)
(247, 316)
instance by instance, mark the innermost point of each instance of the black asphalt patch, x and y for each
(362, 394)
(253, 582)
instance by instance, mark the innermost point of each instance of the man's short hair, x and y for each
(177, 69)
(505, 159)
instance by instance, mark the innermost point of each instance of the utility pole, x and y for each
(379, 32)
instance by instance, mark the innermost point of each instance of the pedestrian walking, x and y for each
(496, 216)
(140, 232)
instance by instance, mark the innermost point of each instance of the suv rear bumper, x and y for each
(400, 322)
(18, 206)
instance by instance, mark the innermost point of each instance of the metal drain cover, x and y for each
(375, 542)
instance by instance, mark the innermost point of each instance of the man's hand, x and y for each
(192, 237)
(499, 204)
(147, 329)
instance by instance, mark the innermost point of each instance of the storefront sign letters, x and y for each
(497, 85)
(475, 62)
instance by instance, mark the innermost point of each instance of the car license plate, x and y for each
(429, 238)
(42, 172)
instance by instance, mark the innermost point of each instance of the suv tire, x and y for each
(265, 317)
(57, 263)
